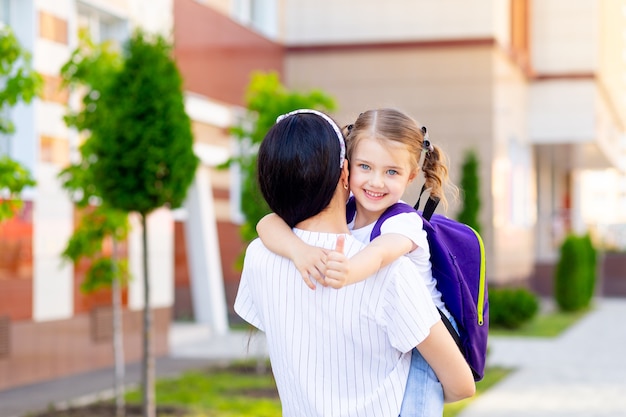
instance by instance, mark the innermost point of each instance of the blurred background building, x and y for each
(536, 88)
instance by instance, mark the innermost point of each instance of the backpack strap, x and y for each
(350, 209)
(431, 204)
(391, 211)
(446, 321)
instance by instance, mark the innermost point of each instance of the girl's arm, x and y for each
(445, 358)
(380, 252)
(278, 237)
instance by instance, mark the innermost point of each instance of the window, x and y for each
(260, 15)
(102, 25)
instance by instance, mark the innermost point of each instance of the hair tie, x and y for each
(428, 147)
(342, 143)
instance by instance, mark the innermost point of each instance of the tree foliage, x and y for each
(266, 99)
(14, 177)
(18, 82)
(144, 155)
(470, 186)
(89, 70)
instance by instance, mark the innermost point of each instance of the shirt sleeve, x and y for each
(408, 311)
(406, 224)
(245, 305)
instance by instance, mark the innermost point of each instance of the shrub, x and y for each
(575, 273)
(470, 186)
(511, 307)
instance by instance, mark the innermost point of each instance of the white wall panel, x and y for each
(153, 15)
(564, 36)
(50, 56)
(562, 111)
(52, 227)
(332, 21)
(49, 119)
(59, 8)
(160, 260)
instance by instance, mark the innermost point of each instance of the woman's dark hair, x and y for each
(298, 166)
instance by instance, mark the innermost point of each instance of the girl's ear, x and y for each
(413, 174)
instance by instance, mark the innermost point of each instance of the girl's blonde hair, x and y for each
(393, 125)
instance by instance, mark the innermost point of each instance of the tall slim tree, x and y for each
(470, 188)
(88, 70)
(18, 82)
(143, 158)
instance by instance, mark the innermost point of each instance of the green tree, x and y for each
(18, 82)
(470, 188)
(142, 158)
(89, 69)
(266, 99)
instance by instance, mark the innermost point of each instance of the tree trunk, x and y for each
(149, 409)
(118, 338)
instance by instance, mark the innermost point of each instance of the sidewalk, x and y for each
(582, 373)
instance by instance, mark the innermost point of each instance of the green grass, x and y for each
(234, 392)
(543, 325)
(493, 375)
(239, 392)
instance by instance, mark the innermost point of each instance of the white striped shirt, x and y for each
(336, 352)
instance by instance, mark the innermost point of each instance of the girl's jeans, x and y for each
(424, 394)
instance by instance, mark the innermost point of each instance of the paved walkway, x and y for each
(582, 373)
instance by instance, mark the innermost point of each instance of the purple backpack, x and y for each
(457, 255)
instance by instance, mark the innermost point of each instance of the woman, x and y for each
(335, 352)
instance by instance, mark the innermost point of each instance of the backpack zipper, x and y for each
(481, 289)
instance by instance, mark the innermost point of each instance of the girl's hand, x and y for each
(311, 264)
(338, 266)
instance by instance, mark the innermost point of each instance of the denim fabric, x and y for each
(424, 394)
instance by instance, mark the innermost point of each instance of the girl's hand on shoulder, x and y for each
(311, 264)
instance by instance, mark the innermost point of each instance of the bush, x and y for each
(511, 307)
(575, 274)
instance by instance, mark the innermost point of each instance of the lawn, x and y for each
(236, 391)
(550, 324)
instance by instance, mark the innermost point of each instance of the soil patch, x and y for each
(109, 410)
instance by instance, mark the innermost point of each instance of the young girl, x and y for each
(384, 148)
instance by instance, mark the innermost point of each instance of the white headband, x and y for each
(342, 143)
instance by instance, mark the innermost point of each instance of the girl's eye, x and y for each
(364, 166)
(392, 172)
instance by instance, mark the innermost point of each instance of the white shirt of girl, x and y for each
(411, 226)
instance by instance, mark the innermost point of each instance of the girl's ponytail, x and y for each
(435, 169)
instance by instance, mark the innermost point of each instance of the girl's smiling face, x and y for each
(380, 171)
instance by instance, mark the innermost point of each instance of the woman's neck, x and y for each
(330, 220)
